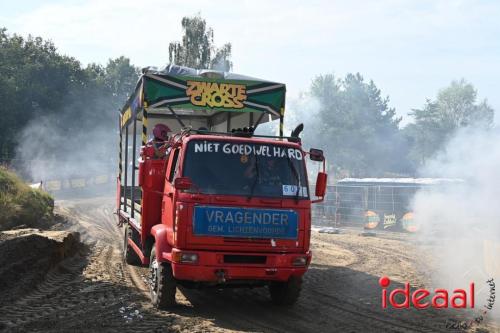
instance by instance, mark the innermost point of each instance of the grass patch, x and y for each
(22, 205)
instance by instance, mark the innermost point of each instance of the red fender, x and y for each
(163, 249)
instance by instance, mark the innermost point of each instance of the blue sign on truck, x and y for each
(245, 222)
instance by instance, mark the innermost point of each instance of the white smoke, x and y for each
(73, 144)
(461, 223)
(300, 109)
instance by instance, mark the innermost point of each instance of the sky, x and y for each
(410, 49)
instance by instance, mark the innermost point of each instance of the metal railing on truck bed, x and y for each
(126, 202)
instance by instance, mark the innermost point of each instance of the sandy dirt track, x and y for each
(95, 291)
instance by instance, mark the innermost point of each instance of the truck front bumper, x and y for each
(212, 267)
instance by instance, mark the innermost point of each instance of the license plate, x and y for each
(245, 222)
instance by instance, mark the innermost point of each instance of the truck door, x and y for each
(168, 204)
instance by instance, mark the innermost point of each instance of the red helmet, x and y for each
(160, 132)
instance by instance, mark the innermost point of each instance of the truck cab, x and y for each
(221, 209)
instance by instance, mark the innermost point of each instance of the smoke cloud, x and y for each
(461, 222)
(302, 109)
(76, 142)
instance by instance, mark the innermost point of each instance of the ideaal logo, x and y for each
(217, 95)
(439, 299)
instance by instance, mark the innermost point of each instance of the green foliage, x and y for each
(48, 99)
(119, 78)
(222, 59)
(19, 204)
(356, 126)
(455, 107)
(197, 49)
(33, 77)
(354, 123)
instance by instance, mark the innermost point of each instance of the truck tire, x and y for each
(286, 293)
(129, 254)
(162, 284)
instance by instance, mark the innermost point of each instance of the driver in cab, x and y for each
(267, 172)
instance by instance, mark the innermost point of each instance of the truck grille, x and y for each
(243, 259)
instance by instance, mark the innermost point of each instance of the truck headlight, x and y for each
(185, 257)
(189, 257)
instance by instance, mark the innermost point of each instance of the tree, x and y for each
(197, 49)
(55, 110)
(356, 126)
(79, 138)
(455, 107)
(222, 59)
(34, 79)
(120, 77)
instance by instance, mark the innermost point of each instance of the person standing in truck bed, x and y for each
(160, 140)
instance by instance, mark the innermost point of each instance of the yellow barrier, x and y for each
(101, 179)
(76, 183)
(53, 185)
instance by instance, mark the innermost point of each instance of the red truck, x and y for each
(224, 206)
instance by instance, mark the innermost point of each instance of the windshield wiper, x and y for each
(252, 188)
(297, 178)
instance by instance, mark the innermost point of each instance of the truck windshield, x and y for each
(247, 169)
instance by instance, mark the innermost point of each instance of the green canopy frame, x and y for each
(182, 93)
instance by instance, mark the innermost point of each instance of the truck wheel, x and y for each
(129, 254)
(162, 285)
(286, 293)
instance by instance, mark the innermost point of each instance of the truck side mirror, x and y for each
(316, 155)
(183, 183)
(321, 184)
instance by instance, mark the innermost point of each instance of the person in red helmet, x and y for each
(160, 140)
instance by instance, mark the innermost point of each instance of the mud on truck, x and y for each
(222, 207)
